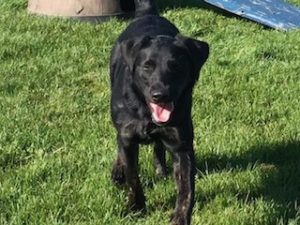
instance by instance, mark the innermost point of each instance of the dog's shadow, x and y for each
(278, 169)
(278, 166)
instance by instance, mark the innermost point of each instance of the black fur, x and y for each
(152, 62)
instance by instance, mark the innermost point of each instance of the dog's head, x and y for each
(163, 68)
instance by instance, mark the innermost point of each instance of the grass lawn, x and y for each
(57, 142)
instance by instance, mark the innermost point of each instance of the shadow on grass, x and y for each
(279, 171)
(279, 166)
(128, 5)
(168, 4)
(164, 5)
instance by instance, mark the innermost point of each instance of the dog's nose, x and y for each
(159, 96)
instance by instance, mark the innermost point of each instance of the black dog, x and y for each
(153, 70)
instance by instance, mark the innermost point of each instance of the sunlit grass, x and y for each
(57, 142)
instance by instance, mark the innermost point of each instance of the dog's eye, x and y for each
(149, 66)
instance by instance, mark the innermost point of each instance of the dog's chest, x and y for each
(144, 131)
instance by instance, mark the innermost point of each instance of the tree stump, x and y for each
(91, 10)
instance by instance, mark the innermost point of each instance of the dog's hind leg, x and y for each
(159, 158)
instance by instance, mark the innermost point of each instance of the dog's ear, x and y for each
(131, 47)
(198, 51)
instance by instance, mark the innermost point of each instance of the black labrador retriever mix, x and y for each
(153, 70)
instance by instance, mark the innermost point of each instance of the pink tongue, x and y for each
(161, 113)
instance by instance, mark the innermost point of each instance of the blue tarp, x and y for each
(272, 13)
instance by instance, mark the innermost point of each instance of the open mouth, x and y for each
(161, 113)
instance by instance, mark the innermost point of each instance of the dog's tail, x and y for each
(145, 7)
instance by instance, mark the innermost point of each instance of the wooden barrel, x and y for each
(81, 9)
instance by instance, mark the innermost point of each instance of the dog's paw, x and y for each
(137, 207)
(136, 202)
(178, 219)
(118, 174)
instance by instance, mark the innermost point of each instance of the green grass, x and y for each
(57, 142)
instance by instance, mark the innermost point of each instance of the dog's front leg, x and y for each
(128, 150)
(159, 156)
(184, 173)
